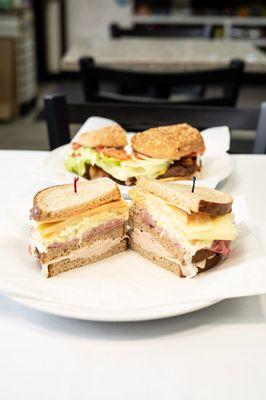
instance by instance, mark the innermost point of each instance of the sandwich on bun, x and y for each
(180, 146)
(99, 153)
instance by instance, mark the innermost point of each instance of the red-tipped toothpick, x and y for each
(193, 184)
(75, 184)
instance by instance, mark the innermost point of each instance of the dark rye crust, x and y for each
(211, 208)
(211, 262)
(210, 257)
(201, 255)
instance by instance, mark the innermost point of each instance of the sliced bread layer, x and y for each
(203, 200)
(61, 202)
(68, 264)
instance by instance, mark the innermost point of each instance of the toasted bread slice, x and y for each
(203, 200)
(172, 142)
(61, 202)
(110, 136)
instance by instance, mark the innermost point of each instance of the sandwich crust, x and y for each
(171, 142)
(60, 202)
(203, 200)
(110, 136)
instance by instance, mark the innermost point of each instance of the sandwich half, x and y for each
(99, 153)
(73, 229)
(178, 146)
(181, 231)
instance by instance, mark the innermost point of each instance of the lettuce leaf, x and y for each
(122, 170)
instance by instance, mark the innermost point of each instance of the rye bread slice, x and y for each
(61, 202)
(203, 200)
(68, 264)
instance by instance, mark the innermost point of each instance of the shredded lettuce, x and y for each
(122, 170)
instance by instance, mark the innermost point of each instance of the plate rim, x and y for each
(167, 311)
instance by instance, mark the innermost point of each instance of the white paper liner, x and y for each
(127, 282)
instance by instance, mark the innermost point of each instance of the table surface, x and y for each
(216, 353)
(165, 54)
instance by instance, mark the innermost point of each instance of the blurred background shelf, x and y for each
(41, 42)
(18, 61)
(165, 54)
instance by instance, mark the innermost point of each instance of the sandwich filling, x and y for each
(93, 222)
(165, 152)
(95, 249)
(98, 162)
(92, 163)
(200, 236)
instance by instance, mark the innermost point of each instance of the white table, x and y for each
(216, 353)
(158, 54)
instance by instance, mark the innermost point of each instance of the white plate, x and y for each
(120, 288)
(217, 164)
(125, 287)
(93, 314)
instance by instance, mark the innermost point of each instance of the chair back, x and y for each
(162, 31)
(135, 118)
(94, 77)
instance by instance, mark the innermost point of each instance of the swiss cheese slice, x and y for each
(194, 226)
(223, 228)
(205, 227)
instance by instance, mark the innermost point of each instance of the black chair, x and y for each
(94, 77)
(162, 31)
(59, 115)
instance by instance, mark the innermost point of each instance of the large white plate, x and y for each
(120, 288)
(125, 287)
(93, 314)
(217, 164)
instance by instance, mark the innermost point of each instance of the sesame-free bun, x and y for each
(171, 142)
(110, 136)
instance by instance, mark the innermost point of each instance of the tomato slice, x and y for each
(120, 154)
(76, 146)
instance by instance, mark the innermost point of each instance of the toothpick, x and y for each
(75, 184)
(193, 184)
